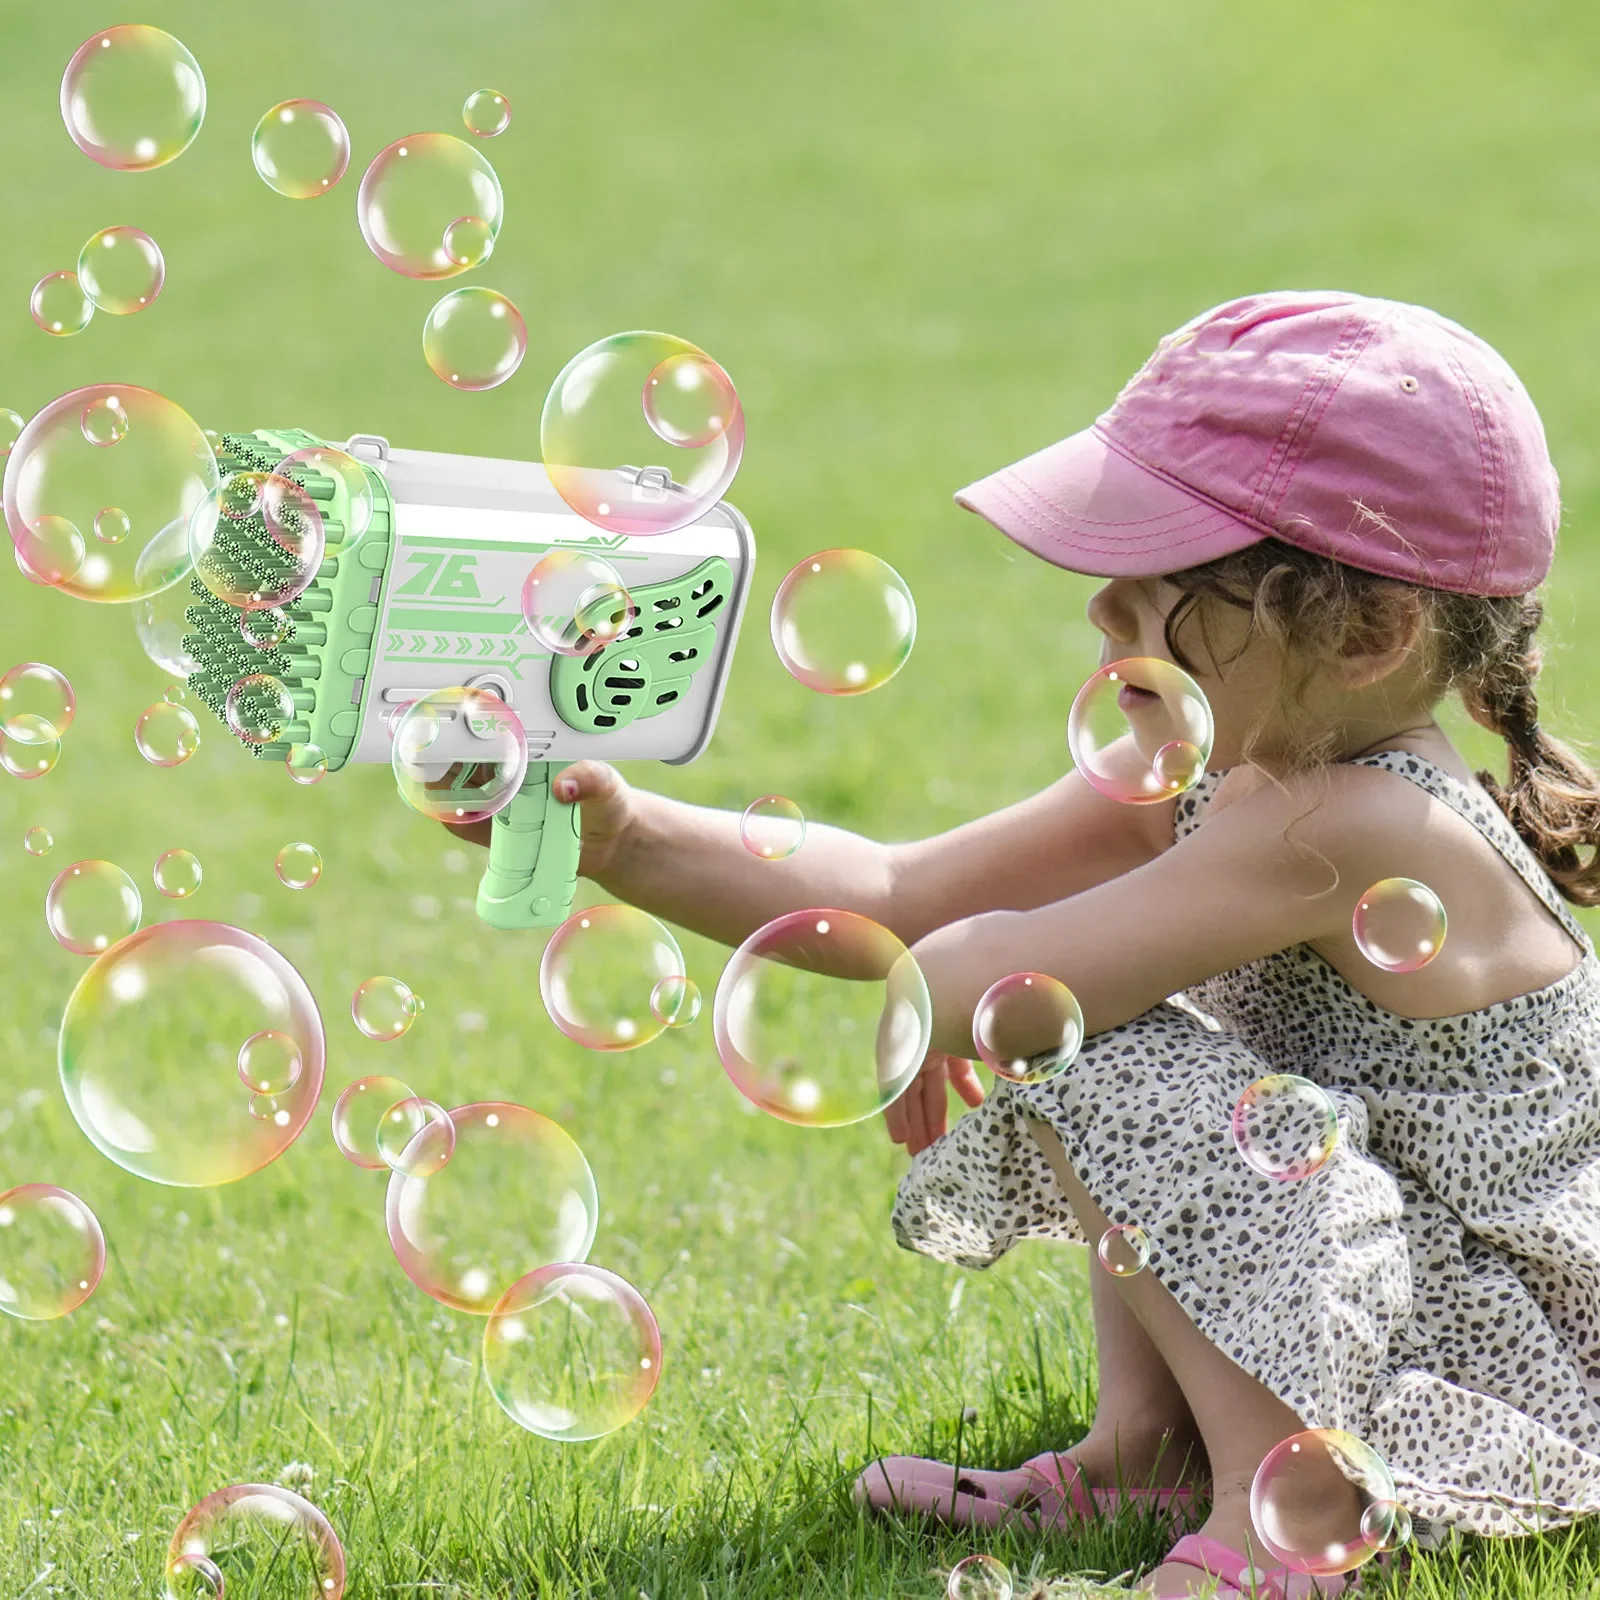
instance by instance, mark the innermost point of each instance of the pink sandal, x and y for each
(1242, 1581)
(1037, 1495)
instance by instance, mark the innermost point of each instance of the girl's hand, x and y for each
(920, 1115)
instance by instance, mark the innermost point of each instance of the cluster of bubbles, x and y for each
(120, 271)
(37, 706)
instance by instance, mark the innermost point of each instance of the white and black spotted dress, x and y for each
(1434, 1288)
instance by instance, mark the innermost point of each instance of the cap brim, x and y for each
(1084, 505)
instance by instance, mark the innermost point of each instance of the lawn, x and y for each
(925, 239)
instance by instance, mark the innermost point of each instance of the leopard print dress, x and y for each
(1434, 1288)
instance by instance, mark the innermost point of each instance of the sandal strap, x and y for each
(1049, 1465)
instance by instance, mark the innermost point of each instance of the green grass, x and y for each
(926, 239)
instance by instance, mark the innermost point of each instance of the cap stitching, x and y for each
(1025, 514)
(1491, 504)
(1177, 483)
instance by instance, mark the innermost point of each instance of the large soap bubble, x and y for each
(414, 190)
(52, 1252)
(132, 98)
(1140, 730)
(1311, 1498)
(258, 1540)
(459, 755)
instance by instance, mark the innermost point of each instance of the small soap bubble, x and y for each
(298, 865)
(1285, 1126)
(104, 421)
(176, 694)
(11, 426)
(257, 540)
(265, 630)
(261, 1539)
(132, 98)
(38, 841)
(1028, 1027)
(843, 622)
(122, 270)
(177, 874)
(1124, 1249)
(675, 1000)
(599, 972)
(112, 525)
(380, 1008)
(1310, 1497)
(359, 1111)
(979, 1577)
(474, 338)
(689, 400)
(353, 501)
(300, 148)
(166, 735)
(416, 1137)
(572, 1352)
(59, 305)
(413, 190)
(1140, 730)
(1386, 1525)
(265, 1108)
(160, 623)
(486, 113)
(574, 603)
(469, 242)
(269, 1062)
(92, 905)
(1399, 924)
(258, 708)
(414, 1005)
(306, 763)
(772, 827)
(36, 703)
(29, 758)
(459, 755)
(52, 1252)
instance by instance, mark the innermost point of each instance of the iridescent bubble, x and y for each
(59, 306)
(574, 602)
(263, 1539)
(122, 270)
(258, 708)
(689, 400)
(474, 338)
(416, 1137)
(160, 624)
(112, 525)
(979, 1577)
(459, 755)
(194, 1578)
(306, 764)
(486, 113)
(269, 1062)
(52, 1252)
(264, 630)
(822, 1018)
(571, 1352)
(381, 1008)
(38, 841)
(353, 497)
(91, 906)
(176, 694)
(29, 758)
(843, 622)
(11, 426)
(166, 735)
(257, 540)
(517, 1195)
(239, 495)
(150, 1046)
(51, 551)
(157, 475)
(1309, 1497)
(1285, 1126)
(300, 148)
(469, 242)
(1028, 1027)
(606, 461)
(411, 193)
(675, 1001)
(132, 98)
(298, 865)
(1399, 924)
(599, 971)
(1140, 730)
(772, 827)
(1386, 1525)
(104, 421)
(358, 1113)
(36, 703)
(1124, 1249)
(177, 874)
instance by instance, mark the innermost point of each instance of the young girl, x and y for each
(1332, 512)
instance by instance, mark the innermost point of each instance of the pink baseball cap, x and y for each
(1378, 433)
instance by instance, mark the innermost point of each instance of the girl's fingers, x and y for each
(967, 1082)
(894, 1121)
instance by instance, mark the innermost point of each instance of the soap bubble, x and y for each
(59, 305)
(262, 1538)
(160, 624)
(258, 708)
(166, 735)
(264, 630)
(599, 971)
(177, 874)
(574, 603)
(358, 1114)
(52, 1252)
(157, 475)
(306, 764)
(298, 865)
(122, 270)
(176, 694)
(112, 525)
(150, 1048)
(1124, 1249)
(843, 622)
(689, 400)
(675, 1000)
(486, 113)
(469, 242)
(11, 426)
(772, 827)
(257, 540)
(1386, 1525)
(382, 1008)
(269, 1062)
(1285, 1126)
(300, 148)
(979, 1577)
(1399, 924)
(416, 1137)
(607, 462)
(194, 1578)
(104, 422)
(517, 1195)
(571, 1352)
(132, 98)
(825, 1047)
(36, 703)
(1140, 730)
(353, 488)
(38, 841)
(459, 755)
(1310, 1495)
(29, 758)
(474, 338)
(90, 906)
(1028, 1027)
(413, 190)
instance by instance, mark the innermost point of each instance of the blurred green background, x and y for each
(925, 239)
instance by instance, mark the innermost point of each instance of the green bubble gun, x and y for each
(429, 597)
